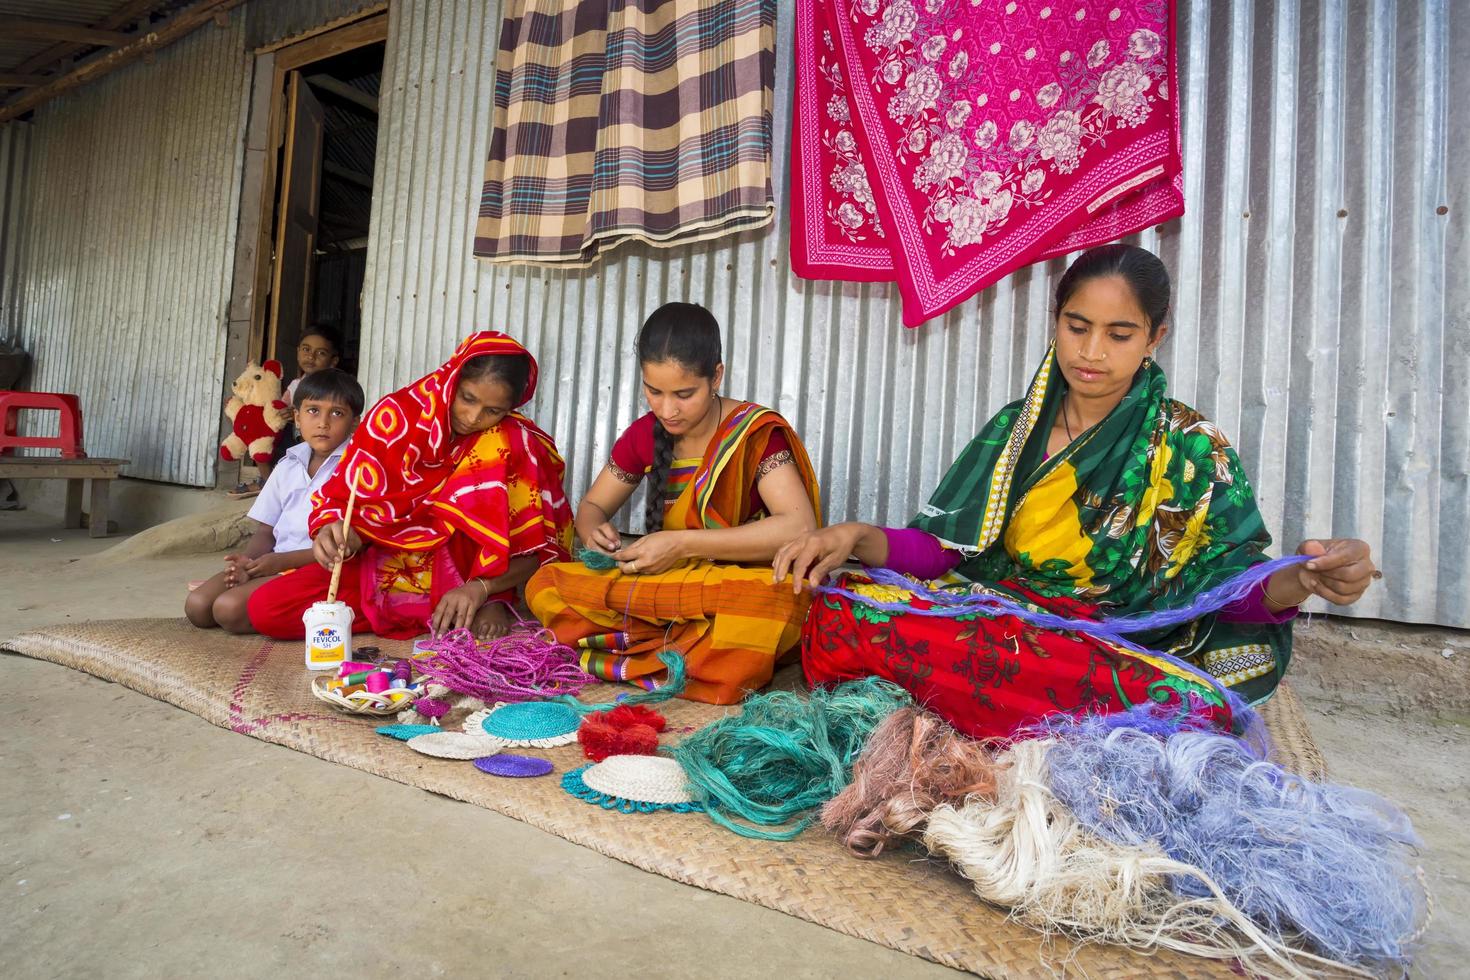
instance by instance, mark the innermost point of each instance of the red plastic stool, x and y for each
(70, 439)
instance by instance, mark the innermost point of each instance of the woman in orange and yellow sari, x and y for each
(729, 483)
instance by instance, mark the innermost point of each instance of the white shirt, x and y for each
(285, 501)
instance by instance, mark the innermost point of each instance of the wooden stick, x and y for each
(346, 530)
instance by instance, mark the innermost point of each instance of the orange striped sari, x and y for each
(728, 621)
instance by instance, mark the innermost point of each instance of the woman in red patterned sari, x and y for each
(459, 500)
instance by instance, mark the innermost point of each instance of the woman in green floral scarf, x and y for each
(1095, 495)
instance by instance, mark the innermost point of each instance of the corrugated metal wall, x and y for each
(269, 21)
(1321, 275)
(122, 277)
(15, 145)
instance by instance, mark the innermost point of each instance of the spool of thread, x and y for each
(354, 667)
(403, 671)
(398, 684)
(358, 677)
(351, 689)
(377, 682)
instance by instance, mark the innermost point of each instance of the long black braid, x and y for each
(689, 335)
(663, 458)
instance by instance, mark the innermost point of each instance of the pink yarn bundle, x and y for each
(526, 664)
(913, 762)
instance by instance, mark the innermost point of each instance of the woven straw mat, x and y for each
(259, 688)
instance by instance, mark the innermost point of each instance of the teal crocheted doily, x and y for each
(532, 721)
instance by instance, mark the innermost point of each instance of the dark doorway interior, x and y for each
(325, 203)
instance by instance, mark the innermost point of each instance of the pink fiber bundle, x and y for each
(913, 762)
(525, 664)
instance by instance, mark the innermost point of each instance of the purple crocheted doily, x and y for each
(513, 765)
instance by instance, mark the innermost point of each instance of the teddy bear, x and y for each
(256, 413)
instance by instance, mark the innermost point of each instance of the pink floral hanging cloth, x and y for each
(946, 143)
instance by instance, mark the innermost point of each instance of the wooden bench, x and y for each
(73, 471)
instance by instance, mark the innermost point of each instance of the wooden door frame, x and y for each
(370, 30)
(264, 131)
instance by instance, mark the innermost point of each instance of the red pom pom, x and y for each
(628, 729)
(637, 740)
(627, 715)
(598, 738)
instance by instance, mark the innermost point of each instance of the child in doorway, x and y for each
(327, 405)
(319, 349)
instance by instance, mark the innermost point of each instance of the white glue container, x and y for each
(328, 635)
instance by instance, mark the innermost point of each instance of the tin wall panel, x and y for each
(270, 21)
(1322, 314)
(121, 277)
(14, 169)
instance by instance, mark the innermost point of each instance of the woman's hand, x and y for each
(652, 553)
(1340, 571)
(814, 555)
(331, 546)
(604, 538)
(457, 608)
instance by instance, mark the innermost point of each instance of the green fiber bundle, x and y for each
(784, 755)
(598, 561)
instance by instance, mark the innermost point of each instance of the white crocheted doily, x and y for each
(640, 778)
(455, 745)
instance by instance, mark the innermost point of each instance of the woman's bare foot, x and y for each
(494, 619)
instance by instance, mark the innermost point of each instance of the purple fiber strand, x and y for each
(950, 604)
(526, 664)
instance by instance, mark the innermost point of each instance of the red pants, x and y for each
(277, 606)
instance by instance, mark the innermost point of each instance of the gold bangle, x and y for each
(486, 586)
(1266, 591)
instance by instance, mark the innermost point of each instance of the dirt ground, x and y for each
(138, 840)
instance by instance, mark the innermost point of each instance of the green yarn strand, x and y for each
(763, 772)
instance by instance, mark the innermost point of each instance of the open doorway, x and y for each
(314, 243)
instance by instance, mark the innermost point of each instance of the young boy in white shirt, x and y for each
(327, 406)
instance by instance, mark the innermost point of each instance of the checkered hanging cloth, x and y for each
(627, 119)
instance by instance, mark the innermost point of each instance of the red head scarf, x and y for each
(404, 453)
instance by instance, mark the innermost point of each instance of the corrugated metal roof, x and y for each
(64, 11)
(17, 53)
(1321, 311)
(129, 224)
